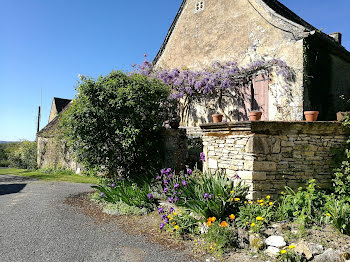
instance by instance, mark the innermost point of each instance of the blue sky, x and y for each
(46, 44)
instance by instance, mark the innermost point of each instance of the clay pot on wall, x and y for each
(311, 115)
(255, 116)
(341, 115)
(217, 118)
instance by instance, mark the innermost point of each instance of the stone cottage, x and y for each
(246, 30)
(52, 151)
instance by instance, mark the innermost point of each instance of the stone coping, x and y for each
(333, 128)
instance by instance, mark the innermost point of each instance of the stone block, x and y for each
(248, 165)
(212, 163)
(265, 166)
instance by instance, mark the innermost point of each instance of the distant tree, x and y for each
(114, 124)
(22, 154)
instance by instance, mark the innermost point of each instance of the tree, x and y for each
(114, 124)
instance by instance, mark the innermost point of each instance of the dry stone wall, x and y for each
(271, 155)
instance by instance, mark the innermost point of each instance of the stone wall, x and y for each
(271, 155)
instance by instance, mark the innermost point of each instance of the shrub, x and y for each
(115, 122)
(288, 255)
(205, 194)
(181, 222)
(22, 154)
(254, 215)
(303, 205)
(338, 212)
(128, 193)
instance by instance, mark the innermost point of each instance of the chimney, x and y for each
(337, 37)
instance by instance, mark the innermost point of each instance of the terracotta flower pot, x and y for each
(341, 115)
(217, 118)
(311, 115)
(255, 116)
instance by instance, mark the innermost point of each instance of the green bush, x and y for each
(127, 192)
(114, 124)
(212, 195)
(338, 212)
(220, 238)
(22, 154)
(303, 206)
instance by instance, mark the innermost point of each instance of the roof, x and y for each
(45, 131)
(61, 103)
(279, 9)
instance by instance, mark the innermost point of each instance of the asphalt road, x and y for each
(35, 225)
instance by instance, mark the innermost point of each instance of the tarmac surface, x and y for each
(36, 225)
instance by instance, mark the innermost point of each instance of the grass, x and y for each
(48, 176)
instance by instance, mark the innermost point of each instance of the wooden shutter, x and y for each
(260, 95)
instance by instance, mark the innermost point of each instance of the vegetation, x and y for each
(114, 124)
(49, 175)
(18, 155)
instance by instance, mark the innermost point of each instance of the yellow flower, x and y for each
(231, 199)
(259, 218)
(259, 201)
(219, 194)
(300, 188)
(223, 224)
(232, 216)
(174, 223)
(328, 215)
(291, 246)
(245, 202)
(310, 186)
(247, 223)
(176, 227)
(283, 251)
(282, 193)
(270, 203)
(250, 202)
(261, 204)
(252, 225)
(232, 192)
(237, 199)
(268, 197)
(175, 214)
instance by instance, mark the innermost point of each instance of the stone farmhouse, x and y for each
(281, 149)
(205, 31)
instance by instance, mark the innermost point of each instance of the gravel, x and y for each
(36, 225)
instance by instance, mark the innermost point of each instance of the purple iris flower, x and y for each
(158, 177)
(149, 196)
(210, 196)
(189, 171)
(164, 216)
(165, 182)
(166, 190)
(184, 183)
(113, 185)
(170, 176)
(202, 156)
(162, 171)
(176, 186)
(237, 176)
(102, 194)
(176, 199)
(170, 199)
(161, 226)
(206, 195)
(160, 210)
(166, 220)
(171, 210)
(168, 170)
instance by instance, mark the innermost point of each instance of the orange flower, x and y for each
(209, 223)
(211, 219)
(232, 216)
(223, 224)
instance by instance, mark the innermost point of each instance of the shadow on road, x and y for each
(6, 189)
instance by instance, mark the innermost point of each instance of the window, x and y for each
(199, 6)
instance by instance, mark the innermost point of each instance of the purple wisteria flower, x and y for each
(160, 210)
(149, 196)
(184, 183)
(202, 156)
(166, 190)
(161, 226)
